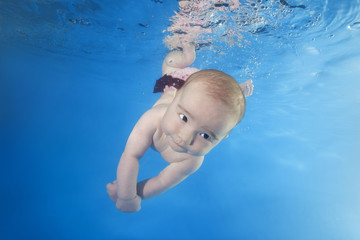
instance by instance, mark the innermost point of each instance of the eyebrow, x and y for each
(185, 111)
(191, 116)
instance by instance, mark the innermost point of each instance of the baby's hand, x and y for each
(112, 191)
(247, 88)
(124, 205)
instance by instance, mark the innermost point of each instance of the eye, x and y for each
(183, 117)
(205, 136)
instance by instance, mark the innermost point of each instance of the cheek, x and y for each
(168, 124)
(205, 149)
(200, 148)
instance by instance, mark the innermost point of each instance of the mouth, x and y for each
(177, 147)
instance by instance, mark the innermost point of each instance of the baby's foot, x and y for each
(112, 191)
(168, 88)
(247, 88)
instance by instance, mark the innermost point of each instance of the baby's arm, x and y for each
(168, 178)
(139, 141)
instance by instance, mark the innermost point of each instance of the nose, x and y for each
(187, 135)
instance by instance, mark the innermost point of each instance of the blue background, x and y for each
(76, 75)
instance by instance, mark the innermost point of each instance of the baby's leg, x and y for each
(112, 191)
(247, 88)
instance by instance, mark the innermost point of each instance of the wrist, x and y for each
(127, 198)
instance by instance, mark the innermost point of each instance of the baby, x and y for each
(189, 119)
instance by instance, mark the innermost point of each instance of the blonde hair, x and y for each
(222, 87)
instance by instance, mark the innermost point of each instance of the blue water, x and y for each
(76, 75)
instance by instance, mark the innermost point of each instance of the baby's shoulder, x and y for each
(154, 114)
(159, 110)
(150, 121)
(152, 118)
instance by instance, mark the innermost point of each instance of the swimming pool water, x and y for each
(76, 75)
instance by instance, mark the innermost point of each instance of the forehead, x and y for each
(197, 89)
(194, 91)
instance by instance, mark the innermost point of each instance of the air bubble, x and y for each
(354, 26)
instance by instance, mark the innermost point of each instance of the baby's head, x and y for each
(203, 112)
(222, 88)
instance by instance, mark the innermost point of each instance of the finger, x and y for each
(111, 189)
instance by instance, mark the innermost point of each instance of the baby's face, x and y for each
(194, 123)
